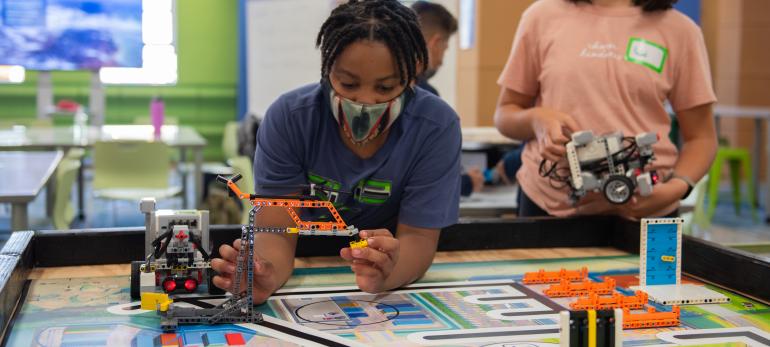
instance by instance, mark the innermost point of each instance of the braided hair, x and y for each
(386, 21)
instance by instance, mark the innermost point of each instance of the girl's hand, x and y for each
(264, 280)
(477, 178)
(552, 130)
(373, 264)
(663, 195)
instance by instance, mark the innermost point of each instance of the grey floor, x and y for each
(741, 231)
(99, 213)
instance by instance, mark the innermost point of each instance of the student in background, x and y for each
(605, 66)
(391, 150)
(437, 26)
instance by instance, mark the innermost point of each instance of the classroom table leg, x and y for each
(81, 189)
(183, 170)
(19, 219)
(766, 190)
(198, 176)
(50, 195)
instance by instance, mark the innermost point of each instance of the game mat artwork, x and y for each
(456, 304)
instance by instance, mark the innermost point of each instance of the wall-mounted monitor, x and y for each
(71, 34)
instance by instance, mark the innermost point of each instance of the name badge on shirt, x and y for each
(646, 53)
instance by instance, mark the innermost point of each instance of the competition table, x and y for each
(59, 289)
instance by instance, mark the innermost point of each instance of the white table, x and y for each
(493, 201)
(479, 138)
(24, 174)
(759, 114)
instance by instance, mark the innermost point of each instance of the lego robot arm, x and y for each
(197, 242)
(161, 243)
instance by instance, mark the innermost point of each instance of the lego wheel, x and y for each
(213, 290)
(135, 290)
(618, 189)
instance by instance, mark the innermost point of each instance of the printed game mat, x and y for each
(456, 304)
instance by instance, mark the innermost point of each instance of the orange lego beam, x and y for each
(650, 319)
(595, 302)
(542, 276)
(290, 204)
(566, 288)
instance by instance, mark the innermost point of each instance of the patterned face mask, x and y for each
(364, 122)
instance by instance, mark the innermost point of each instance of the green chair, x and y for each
(242, 165)
(131, 170)
(63, 211)
(738, 159)
(230, 140)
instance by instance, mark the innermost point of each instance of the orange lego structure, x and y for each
(542, 276)
(596, 302)
(566, 288)
(337, 227)
(333, 228)
(650, 319)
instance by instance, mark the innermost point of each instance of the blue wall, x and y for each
(691, 8)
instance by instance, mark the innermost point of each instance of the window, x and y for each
(159, 57)
(11, 74)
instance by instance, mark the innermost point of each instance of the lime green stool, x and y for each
(738, 159)
(63, 211)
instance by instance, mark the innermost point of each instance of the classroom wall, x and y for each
(281, 52)
(736, 33)
(479, 66)
(204, 96)
(445, 80)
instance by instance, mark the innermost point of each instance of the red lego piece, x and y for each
(168, 340)
(235, 339)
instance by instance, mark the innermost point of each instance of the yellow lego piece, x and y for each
(153, 301)
(292, 230)
(358, 244)
(667, 258)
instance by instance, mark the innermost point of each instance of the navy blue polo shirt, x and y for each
(414, 178)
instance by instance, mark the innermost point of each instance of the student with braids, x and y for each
(605, 66)
(391, 150)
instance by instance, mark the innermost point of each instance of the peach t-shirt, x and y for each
(610, 69)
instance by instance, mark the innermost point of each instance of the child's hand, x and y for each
(477, 178)
(373, 264)
(663, 195)
(264, 280)
(552, 130)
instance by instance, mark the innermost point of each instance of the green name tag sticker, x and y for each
(646, 53)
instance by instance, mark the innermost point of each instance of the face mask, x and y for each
(364, 122)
